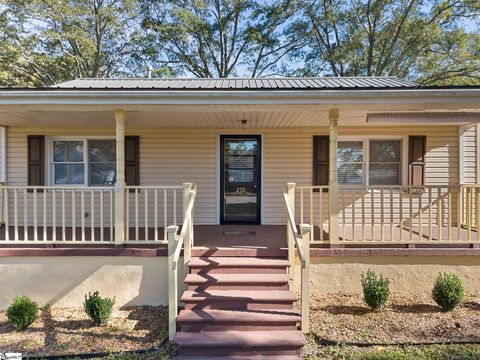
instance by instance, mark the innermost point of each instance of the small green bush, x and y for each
(375, 289)
(97, 308)
(448, 291)
(22, 312)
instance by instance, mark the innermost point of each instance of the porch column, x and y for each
(120, 116)
(333, 115)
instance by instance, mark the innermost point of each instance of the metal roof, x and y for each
(290, 83)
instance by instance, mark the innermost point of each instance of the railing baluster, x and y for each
(439, 213)
(301, 207)
(146, 215)
(311, 207)
(410, 204)
(64, 237)
(44, 215)
(111, 216)
(477, 213)
(92, 215)
(6, 213)
(74, 215)
(136, 215)
(82, 212)
(449, 215)
(468, 209)
(175, 206)
(459, 212)
(165, 219)
(381, 214)
(353, 213)
(420, 216)
(15, 213)
(35, 222)
(363, 213)
(320, 194)
(430, 213)
(372, 214)
(344, 224)
(391, 214)
(127, 212)
(156, 214)
(400, 211)
(25, 214)
(54, 215)
(102, 193)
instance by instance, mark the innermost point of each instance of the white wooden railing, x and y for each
(57, 214)
(393, 214)
(302, 244)
(150, 209)
(87, 214)
(175, 243)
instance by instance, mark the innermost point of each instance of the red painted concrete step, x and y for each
(240, 343)
(203, 281)
(223, 320)
(238, 265)
(238, 299)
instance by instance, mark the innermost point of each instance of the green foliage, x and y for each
(97, 308)
(22, 312)
(448, 291)
(375, 289)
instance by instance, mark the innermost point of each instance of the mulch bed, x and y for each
(407, 319)
(60, 331)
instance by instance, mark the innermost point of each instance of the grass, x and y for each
(427, 352)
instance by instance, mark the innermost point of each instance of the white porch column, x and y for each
(120, 116)
(333, 115)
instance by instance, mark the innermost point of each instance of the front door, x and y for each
(240, 164)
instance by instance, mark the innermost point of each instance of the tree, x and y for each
(220, 38)
(404, 38)
(57, 40)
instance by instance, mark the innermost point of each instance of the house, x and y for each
(131, 186)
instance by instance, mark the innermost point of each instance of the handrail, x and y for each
(293, 228)
(186, 224)
(175, 243)
(302, 242)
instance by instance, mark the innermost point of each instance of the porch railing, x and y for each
(66, 214)
(393, 214)
(300, 242)
(175, 243)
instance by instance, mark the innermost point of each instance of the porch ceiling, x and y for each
(215, 118)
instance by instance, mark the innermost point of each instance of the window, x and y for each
(83, 162)
(380, 165)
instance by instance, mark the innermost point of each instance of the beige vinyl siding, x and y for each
(470, 154)
(171, 156)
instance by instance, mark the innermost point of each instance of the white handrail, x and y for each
(302, 242)
(174, 249)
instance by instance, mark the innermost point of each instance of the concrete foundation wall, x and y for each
(63, 281)
(413, 274)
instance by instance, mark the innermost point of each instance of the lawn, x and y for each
(60, 331)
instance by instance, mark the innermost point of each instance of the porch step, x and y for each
(214, 281)
(238, 299)
(240, 343)
(224, 320)
(243, 265)
(238, 307)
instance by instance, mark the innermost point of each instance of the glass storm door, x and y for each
(240, 179)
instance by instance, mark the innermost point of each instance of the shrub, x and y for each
(22, 312)
(448, 291)
(375, 289)
(97, 308)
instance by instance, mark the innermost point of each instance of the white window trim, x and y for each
(366, 153)
(50, 162)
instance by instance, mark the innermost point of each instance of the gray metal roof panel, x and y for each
(240, 83)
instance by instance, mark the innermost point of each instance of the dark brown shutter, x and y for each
(36, 160)
(320, 160)
(417, 147)
(132, 160)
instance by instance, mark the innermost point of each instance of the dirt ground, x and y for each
(69, 331)
(344, 319)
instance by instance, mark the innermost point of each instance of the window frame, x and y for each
(366, 155)
(86, 159)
